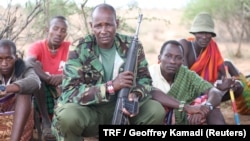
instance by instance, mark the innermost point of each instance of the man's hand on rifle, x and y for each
(123, 80)
(131, 107)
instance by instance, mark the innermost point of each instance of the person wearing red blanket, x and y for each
(202, 55)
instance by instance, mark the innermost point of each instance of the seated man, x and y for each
(178, 81)
(17, 79)
(93, 76)
(48, 57)
(202, 55)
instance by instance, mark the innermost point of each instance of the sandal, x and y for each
(47, 135)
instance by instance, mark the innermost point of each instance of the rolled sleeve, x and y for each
(29, 83)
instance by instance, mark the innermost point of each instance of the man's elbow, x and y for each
(31, 59)
(218, 93)
(215, 95)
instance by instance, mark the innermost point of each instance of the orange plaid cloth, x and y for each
(209, 62)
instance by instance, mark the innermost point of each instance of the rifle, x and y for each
(168, 118)
(119, 118)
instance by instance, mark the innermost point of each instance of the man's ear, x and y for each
(117, 23)
(159, 59)
(47, 30)
(16, 57)
(19, 54)
(90, 24)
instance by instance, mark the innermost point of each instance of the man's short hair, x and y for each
(174, 42)
(104, 6)
(9, 43)
(58, 17)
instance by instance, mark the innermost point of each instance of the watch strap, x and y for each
(211, 107)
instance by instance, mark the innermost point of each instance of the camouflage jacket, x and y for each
(83, 81)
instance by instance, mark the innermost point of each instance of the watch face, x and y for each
(2, 88)
(209, 105)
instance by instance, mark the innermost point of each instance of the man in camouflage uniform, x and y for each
(93, 76)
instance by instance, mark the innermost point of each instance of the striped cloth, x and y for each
(243, 101)
(186, 87)
(207, 65)
(209, 62)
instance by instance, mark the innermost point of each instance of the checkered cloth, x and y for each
(50, 91)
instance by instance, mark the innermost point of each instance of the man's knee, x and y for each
(157, 110)
(154, 112)
(65, 117)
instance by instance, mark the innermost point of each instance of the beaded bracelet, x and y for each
(110, 87)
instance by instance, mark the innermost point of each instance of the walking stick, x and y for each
(236, 115)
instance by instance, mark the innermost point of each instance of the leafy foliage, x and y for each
(225, 11)
(233, 15)
(50, 9)
(37, 14)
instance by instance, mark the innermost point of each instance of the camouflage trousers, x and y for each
(72, 122)
(65, 127)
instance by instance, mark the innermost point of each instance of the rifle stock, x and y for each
(119, 118)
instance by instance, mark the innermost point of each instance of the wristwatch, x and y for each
(2, 88)
(181, 106)
(211, 107)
